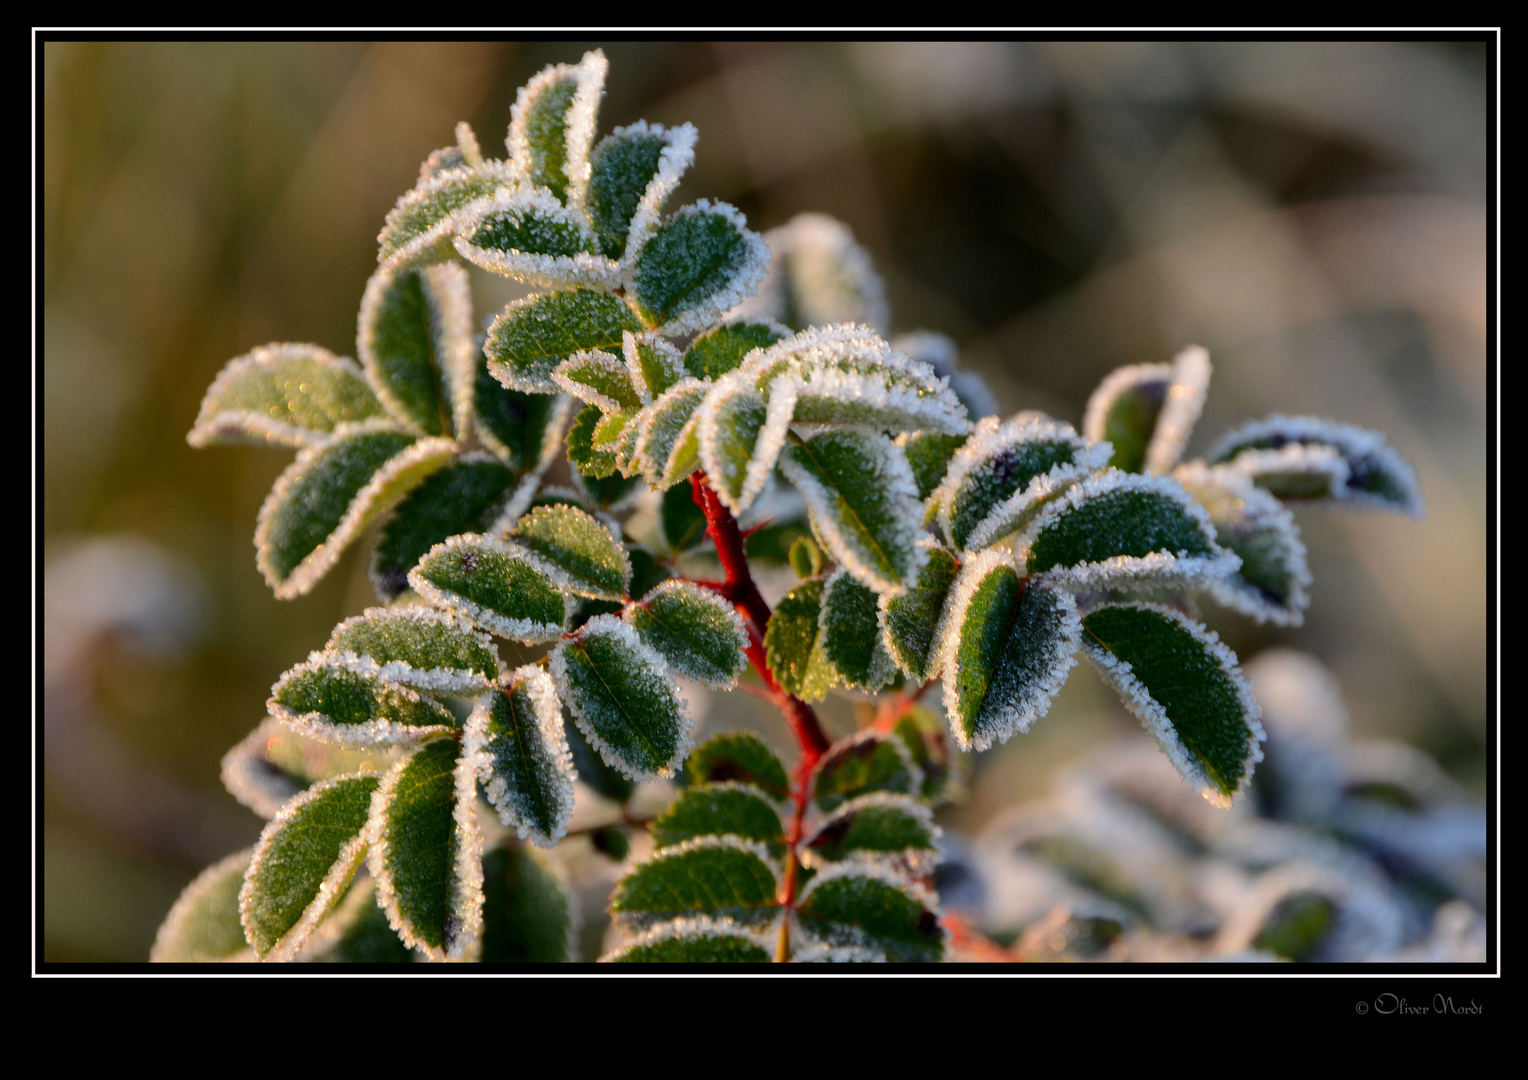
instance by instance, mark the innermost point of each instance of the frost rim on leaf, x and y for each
(262, 790)
(674, 159)
(371, 733)
(213, 424)
(548, 710)
(635, 920)
(185, 905)
(743, 283)
(446, 680)
(695, 926)
(913, 865)
(716, 603)
(589, 75)
(586, 267)
(523, 630)
(406, 256)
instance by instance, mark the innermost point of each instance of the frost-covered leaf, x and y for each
(551, 127)
(1185, 688)
(420, 647)
(605, 781)
(303, 863)
(878, 827)
(793, 643)
(515, 741)
(612, 493)
(499, 586)
(594, 462)
(739, 756)
(1006, 646)
(344, 698)
(852, 906)
(699, 633)
(633, 171)
(622, 694)
(1121, 529)
(696, 265)
(864, 504)
(863, 763)
(719, 876)
(927, 740)
(851, 633)
(283, 395)
(737, 449)
(414, 338)
(467, 496)
(1005, 473)
(724, 809)
(530, 337)
(698, 940)
(333, 491)
(203, 926)
(817, 275)
(528, 913)
(426, 850)
(530, 237)
(1271, 584)
(910, 620)
(597, 378)
(1306, 457)
(523, 430)
(929, 454)
(654, 363)
(273, 763)
(1147, 411)
(465, 154)
(357, 933)
(420, 227)
(683, 523)
(942, 354)
(718, 351)
(592, 561)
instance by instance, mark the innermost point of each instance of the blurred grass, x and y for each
(1313, 214)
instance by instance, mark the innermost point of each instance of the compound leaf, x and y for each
(499, 586)
(592, 561)
(551, 127)
(467, 496)
(698, 632)
(514, 739)
(851, 633)
(866, 762)
(739, 756)
(284, 395)
(1147, 411)
(420, 647)
(530, 337)
(346, 699)
(910, 621)
(724, 809)
(719, 876)
(696, 265)
(203, 926)
(793, 643)
(850, 906)
(528, 913)
(633, 171)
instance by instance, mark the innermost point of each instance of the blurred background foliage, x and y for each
(1313, 214)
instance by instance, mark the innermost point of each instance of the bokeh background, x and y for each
(1313, 214)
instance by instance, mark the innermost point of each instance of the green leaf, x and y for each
(514, 740)
(695, 266)
(593, 462)
(597, 378)
(928, 742)
(528, 236)
(736, 448)
(863, 502)
(621, 692)
(911, 620)
(613, 493)
(605, 781)
(592, 561)
(695, 941)
(890, 829)
(655, 364)
(818, 275)
(420, 647)
(1123, 529)
(1006, 473)
(528, 913)
(283, 395)
(414, 338)
(426, 851)
(793, 643)
(725, 809)
(1297, 926)
(718, 351)
(1147, 411)
(331, 493)
(530, 337)
(303, 862)
(420, 227)
(551, 127)
(738, 756)
(849, 907)
(499, 586)
(203, 926)
(943, 355)
(699, 633)
(467, 496)
(632, 173)
(523, 430)
(1274, 576)
(805, 557)
(273, 763)
(928, 454)
(683, 523)
(348, 700)
(863, 763)
(1006, 647)
(851, 633)
(466, 153)
(722, 877)
(357, 933)
(1186, 689)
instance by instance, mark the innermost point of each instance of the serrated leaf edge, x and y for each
(447, 680)
(674, 159)
(252, 787)
(523, 630)
(589, 74)
(696, 926)
(548, 710)
(190, 896)
(585, 268)
(407, 256)
(698, 843)
(911, 863)
(744, 282)
(711, 599)
(315, 725)
(213, 425)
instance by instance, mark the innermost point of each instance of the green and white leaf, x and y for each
(599, 379)
(728, 808)
(910, 620)
(530, 915)
(420, 647)
(929, 454)
(203, 926)
(345, 698)
(859, 907)
(500, 586)
(283, 395)
(739, 756)
(551, 128)
(633, 171)
(613, 493)
(273, 763)
(332, 492)
(1186, 689)
(864, 504)
(818, 275)
(1147, 412)
(465, 154)
(943, 355)
(738, 449)
(426, 851)
(879, 829)
(420, 228)
(865, 762)
(851, 633)
(716, 876)
(696, 265)
(303, 863)
(1306, 457)
(1120, 530)
(515, 741)
(928, 741)
(1274, 576)
(722, 349)
(622, 696)
(667, 448)
(793, 646)
(414, 338)
(1006, 647)
(528, 236)
(588, 555)
(522, 430)
(1005, 472)
(654, 363)
(695, 940)
(356, 932)
(530, 337)
(699, 633)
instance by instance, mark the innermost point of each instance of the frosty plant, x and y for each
(939, 544)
